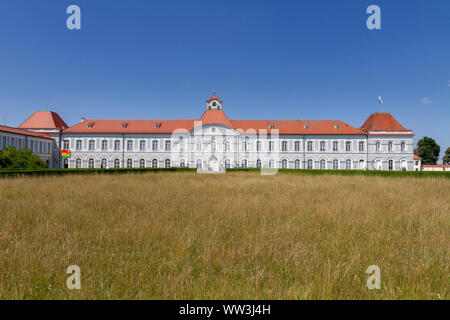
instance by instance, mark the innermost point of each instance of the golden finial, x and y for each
(214, 92)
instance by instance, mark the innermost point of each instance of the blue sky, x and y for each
(267, 60)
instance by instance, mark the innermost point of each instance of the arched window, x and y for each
(297, 164)
(284, 164)
(403, 146)
(227, 164)
(66, 163)
(78, 163)
(130, 163)
(244, 145)
(104, 163)
(199, 164)
(404, 164)
(167, 163)
(116, 163)
(310, 164)
(378, 165)
(335, 164)
(391, 164)
(244, 163)
(182, 163)
(142, 163)
(362, 165)
(323, 164)
(271, 164)
(258, 163)
(213, 146)
(155, 163)
(91, 163)
(348, 164)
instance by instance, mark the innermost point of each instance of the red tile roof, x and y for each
(215, 117)
(44, 120)
(416, 157)
(24, 132)
(214, 97)
(383, 121)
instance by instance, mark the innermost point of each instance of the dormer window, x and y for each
(305, 126)
(90, 125)
(337, 126)
(158, 125)
(124, 125)
(271, 126)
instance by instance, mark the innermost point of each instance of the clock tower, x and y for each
(214, 103)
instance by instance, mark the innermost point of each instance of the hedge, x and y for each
(444, 174)
(52, 172)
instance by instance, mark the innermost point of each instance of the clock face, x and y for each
(214, 104)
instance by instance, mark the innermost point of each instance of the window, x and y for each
(258, 145)
(297, 164)
(104, 144)
(323, 164)
(348, 146)
(310, 164)
(271, 164)
(270, 145)
(213, 146)
(377, 146)
(284, 164)
(4, 143)
(129, 145)
(378, 164)
(348, 164)
(66, 145)
(91, 163)
(362, 165)
(391, 164)
(40, 147)
(155, 163)
(116, 163)
(335, 164)
(244, 163)
(322, 145)
(31, 144)
(226, 146)
(390, 146)
(167, 163)
(66, 163)
(199, 164)
(104, 164)
(142, 163)
(227, 164)
(78, 163)
(361, 146)
(335, 146)
(91, 144)
(130, 163)
(167, 145)
(402, 146)
(310, 145)
(142, 145)
(155, 145)
(181, 145)
(297, 145)
(258, 163)
(244, 145)
(182, 163)
(284, 146)
(199, 146)
(117, 145)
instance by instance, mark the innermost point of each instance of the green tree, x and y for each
(428, 150)
(11, 158)
(446, 158)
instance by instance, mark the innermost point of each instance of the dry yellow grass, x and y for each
(234, 236)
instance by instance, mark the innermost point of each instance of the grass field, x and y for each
(234, 236)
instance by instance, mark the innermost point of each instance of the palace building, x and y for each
(214, 140)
